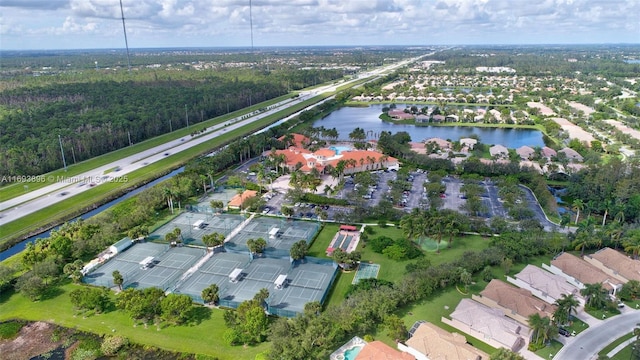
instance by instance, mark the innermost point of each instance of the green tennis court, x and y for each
(366, 271)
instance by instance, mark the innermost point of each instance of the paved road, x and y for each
(587, 344)
(534, 205)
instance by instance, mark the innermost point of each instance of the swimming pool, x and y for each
(353, 352)
(338, 149)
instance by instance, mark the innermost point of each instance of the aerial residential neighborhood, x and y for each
(231, 180)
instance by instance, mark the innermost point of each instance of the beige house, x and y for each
(525, 152)
(578, 272)
(488, 324)
(514, 302)
(615, 264)
(544, 285)
(430, 342)
(498, 151)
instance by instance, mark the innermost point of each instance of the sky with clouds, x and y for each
(80, 24)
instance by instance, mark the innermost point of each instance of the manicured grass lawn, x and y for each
(613, 345)
(340, 288)
(204, 338)
(625, 353)
(322, 241)
(550, 351)
(577, 325)
(602, 313)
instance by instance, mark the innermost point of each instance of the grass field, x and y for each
(615, 343)
(203, 338)
(549, 352)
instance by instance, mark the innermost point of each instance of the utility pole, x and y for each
(126, 43)
(186, 114)
(129, 134)
(251, 23)
(64, 162)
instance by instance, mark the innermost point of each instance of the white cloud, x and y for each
(311, 22)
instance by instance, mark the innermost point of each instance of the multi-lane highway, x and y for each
(66, 187)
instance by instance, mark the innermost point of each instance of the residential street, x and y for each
(587, 344)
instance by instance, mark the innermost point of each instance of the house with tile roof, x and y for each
(297, 140)
(548, 152)
(514, 302)
(499, 151)
(400, 115)
(468, 143)
(433, 343)
(579, 273)
(544, 285)
(525, 152)
(615, 264)
(571, 154)
(354, 160)
(441, 143)
(377, 350)
(237, 201)
(488, 324)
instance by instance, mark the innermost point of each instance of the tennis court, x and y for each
(127, 263)
(260, 273)
(306, 282)
(167, 266)
(215, 271)
(280, 234)
(366, 271)
(195, 225)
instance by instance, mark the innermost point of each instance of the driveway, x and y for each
(587, 344)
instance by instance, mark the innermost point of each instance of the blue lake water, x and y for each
(348, 118)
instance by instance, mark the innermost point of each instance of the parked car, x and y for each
(564, 332)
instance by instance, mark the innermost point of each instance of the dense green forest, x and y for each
(545, 60)
(96, 117)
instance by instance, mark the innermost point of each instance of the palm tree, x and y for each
(536, 324)
(566, 305)
(577, 206)
(595, 294)
(407, 224)
(210, 294)
(452, 230)
(631, 242)
(262, 296)
(581, 242)
(168, 194)
(607, 206)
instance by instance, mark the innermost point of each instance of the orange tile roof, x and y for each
(325, 152)
(583, 271)
(299, 140)
(238, 199)
(618, 263)
(377, 350)
(515, 299)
